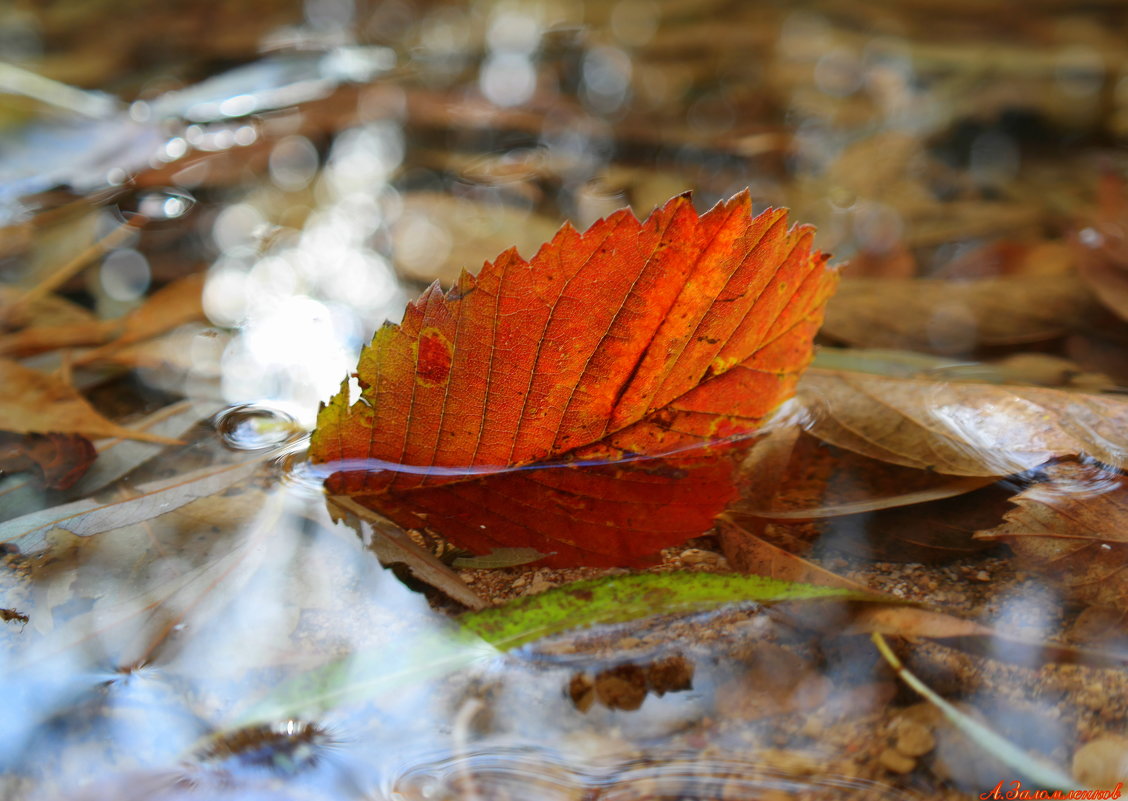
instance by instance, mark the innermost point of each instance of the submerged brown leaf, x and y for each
(903, 620)
(171, 306)
(814, 480)
(1072, 529)
(49, 310)
(929, 532)
(962, 429)
(947, 317)
(89, 516)
(36, 403)
(749, 553)
(393, 546)
(59, 460)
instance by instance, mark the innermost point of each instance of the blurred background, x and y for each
(322, 161)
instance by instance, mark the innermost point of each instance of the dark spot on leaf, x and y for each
(433, 366)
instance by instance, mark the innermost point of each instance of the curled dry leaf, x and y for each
(672, 338)
(947, 317)
(1071, 528)
(962, 429)
(36, 403)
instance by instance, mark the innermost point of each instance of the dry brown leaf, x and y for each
(946, 317)
(1102, 250)
(43, 338)
(36, 403)
(171, 306)
(1074, 529)
(962, 429)
(49, 310)
(748, 553)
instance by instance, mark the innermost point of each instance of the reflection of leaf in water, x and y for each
(632, 338)
(116, 457)
(814, 480)
(133, 621)
(863, 506)
(1073, 529)
(962, 429)
(608, 600)
(933, 531)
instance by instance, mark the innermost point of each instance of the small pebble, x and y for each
(913, 739)
(896, 762)
(982, 575)
(1101, 762)
(696, 556)
(537, 585)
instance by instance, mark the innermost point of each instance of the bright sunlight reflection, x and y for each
(304, 301)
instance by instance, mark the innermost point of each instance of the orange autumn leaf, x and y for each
(529, 406)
